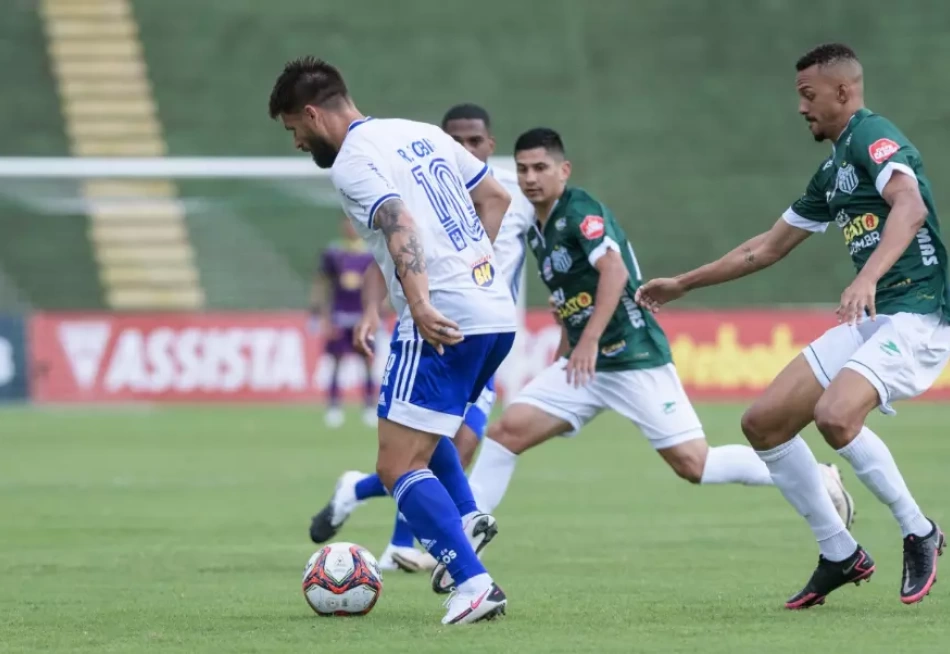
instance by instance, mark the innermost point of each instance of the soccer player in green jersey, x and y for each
(894, 336)
(613, 355)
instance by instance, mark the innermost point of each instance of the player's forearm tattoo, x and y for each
(409, 255)
(749, 255)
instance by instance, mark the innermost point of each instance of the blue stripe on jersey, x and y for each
(357, 123)
(376, 205)
(475, 180)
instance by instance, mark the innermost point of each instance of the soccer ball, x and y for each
(342, 579)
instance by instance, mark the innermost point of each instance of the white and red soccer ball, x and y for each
(342, 579)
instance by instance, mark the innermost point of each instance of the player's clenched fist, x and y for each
(657, 292)
(364, 334)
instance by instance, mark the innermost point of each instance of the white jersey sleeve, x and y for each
(510, 247)
(472, 168)
(363, 188)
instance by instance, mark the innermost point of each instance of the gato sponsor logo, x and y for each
(574, 305)
(863, 224)
(882, 150)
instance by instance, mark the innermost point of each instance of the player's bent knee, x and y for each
(506, 433)
(834, 423)
(755, 425)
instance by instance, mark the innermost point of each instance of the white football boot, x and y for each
(468, 606)
(844, 504)
(480, 529)
(327, 523)
(407, 559)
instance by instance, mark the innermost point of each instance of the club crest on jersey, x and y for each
(847, 179)
(560, 223)
(350, 280)
(546, 270)
(882, 150)
(561, 259)
(592, 227)
(483, 273)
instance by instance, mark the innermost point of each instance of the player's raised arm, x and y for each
(490, 198)
(491, 201)
(755, 254)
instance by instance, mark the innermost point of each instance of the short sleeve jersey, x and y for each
(568, 246)
(420, 164)
(847, 189)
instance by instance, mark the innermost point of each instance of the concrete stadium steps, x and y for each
(137, 228)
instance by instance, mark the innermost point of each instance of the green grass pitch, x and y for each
(185, 530)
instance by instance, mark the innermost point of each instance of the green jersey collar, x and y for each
(853, 122)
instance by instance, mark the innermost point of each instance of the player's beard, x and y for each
(323, 153)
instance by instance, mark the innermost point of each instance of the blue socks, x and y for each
(436, 522)
(402, 533)
(371, 486)
(447, 467)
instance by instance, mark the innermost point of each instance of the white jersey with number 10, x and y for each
(383, 159)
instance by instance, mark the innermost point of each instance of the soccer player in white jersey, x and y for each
(470, 125)
(429, 212)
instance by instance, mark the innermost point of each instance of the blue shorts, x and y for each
(423, 390)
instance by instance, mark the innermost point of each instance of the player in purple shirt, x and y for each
(336, 307)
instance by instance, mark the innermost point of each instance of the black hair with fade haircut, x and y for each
(827, 53)
(467, 111)
(304, 81)
(540, 137)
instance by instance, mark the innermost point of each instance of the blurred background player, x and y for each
(469, 125)
(894, 336)
(335, 308)
(613, 356)
(429, 211)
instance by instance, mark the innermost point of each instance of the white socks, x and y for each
(875, 467)
(491, 474)
(795, 471)
(735, 464)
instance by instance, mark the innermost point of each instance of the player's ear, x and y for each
(842, 93)
(491, 144)
(566, 169)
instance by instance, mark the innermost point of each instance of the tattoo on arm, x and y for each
(749, 255)
(409, 255)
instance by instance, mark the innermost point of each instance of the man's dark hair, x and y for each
(466, 111)
(540, 137)
(827, 53)
(304, 81)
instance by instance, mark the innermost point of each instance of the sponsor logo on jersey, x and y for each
(847, 179)
(561, 259)
(828, 164)
(882, 150)
(928, 253)
(592, 227)
(560, 224)
(842, 219)
(546, 270)
(350, 280)
(613, 349)
(847, 141)
(483, 273)
(863, 224)
(574, 305)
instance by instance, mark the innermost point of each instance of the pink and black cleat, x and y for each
(920, 564)
(830, 576)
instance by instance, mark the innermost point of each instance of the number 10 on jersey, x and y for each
(451, 203)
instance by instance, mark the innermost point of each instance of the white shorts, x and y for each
(901, 355)
(652, 398)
